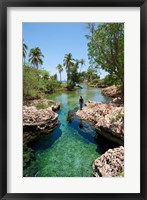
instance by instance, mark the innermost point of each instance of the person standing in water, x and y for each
(81, 101)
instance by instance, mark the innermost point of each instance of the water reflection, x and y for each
(81, 124)
(46, 141)
(89, 133)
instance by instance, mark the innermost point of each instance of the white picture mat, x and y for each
(131, 182)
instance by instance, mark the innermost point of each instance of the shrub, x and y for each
(94, 81)
(117, 117)
(41, 106)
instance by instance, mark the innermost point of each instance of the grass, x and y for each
(121, 174)
(41, 106)
(117, 117)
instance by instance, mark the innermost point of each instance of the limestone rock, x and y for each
(39, 119)
(48, 103)
(110, 164)
(108, 119)
(111, 91)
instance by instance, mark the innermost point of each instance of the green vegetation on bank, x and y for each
(37, 82)
(105, 51)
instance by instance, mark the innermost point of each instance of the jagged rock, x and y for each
(34, 119)
(111, 91)
(118, 100)
(36, 122)
(48, 103)
(108, 119)
(110, 164)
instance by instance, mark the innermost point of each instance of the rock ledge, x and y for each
(108, 119)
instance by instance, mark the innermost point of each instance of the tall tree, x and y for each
(68, 63)
(74, 77)
(106, 49)
(36, 57)
(82, 62)
(91, 74)
(25, 48)
(60, 69)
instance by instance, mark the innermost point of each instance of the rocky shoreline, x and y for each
(110, 164)
(48, 103)
(35, 123)
(108, 119)
(111, 91)
(40, 119)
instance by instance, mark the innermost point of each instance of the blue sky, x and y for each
(55, 40)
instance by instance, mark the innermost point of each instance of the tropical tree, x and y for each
(92, 74)
(82, 62)
(106, 49)
(25, 48)
(36, 57)
(74, 77)
(60, 69)
(68, 63)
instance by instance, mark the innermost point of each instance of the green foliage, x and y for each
(60, 69)
(36, 57)
(72, 67)
(92, 74)
(53, 85)
(94, 81)
(25, 48)
(111, 80)
(54, 77)
(70, 85)
(30, 82)
(37, 82)
(41, 106)
(121, 174)
(82, 76)
(68, 63)
(106, 49)
(118, 117)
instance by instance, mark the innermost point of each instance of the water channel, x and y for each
(71, 148)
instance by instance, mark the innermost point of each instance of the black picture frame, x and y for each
(4, 4)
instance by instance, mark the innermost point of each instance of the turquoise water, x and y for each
(71, 148)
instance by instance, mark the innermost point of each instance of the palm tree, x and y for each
(36, 57)
(60, 69)
(74, 73)
(25, 48)
(68, 63)
(82, 62)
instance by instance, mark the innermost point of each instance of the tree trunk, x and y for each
(60, 76)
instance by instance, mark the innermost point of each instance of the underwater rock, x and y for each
(108, 119)
(42, 119)
(110, 164)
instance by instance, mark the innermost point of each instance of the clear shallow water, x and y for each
(71, 148)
